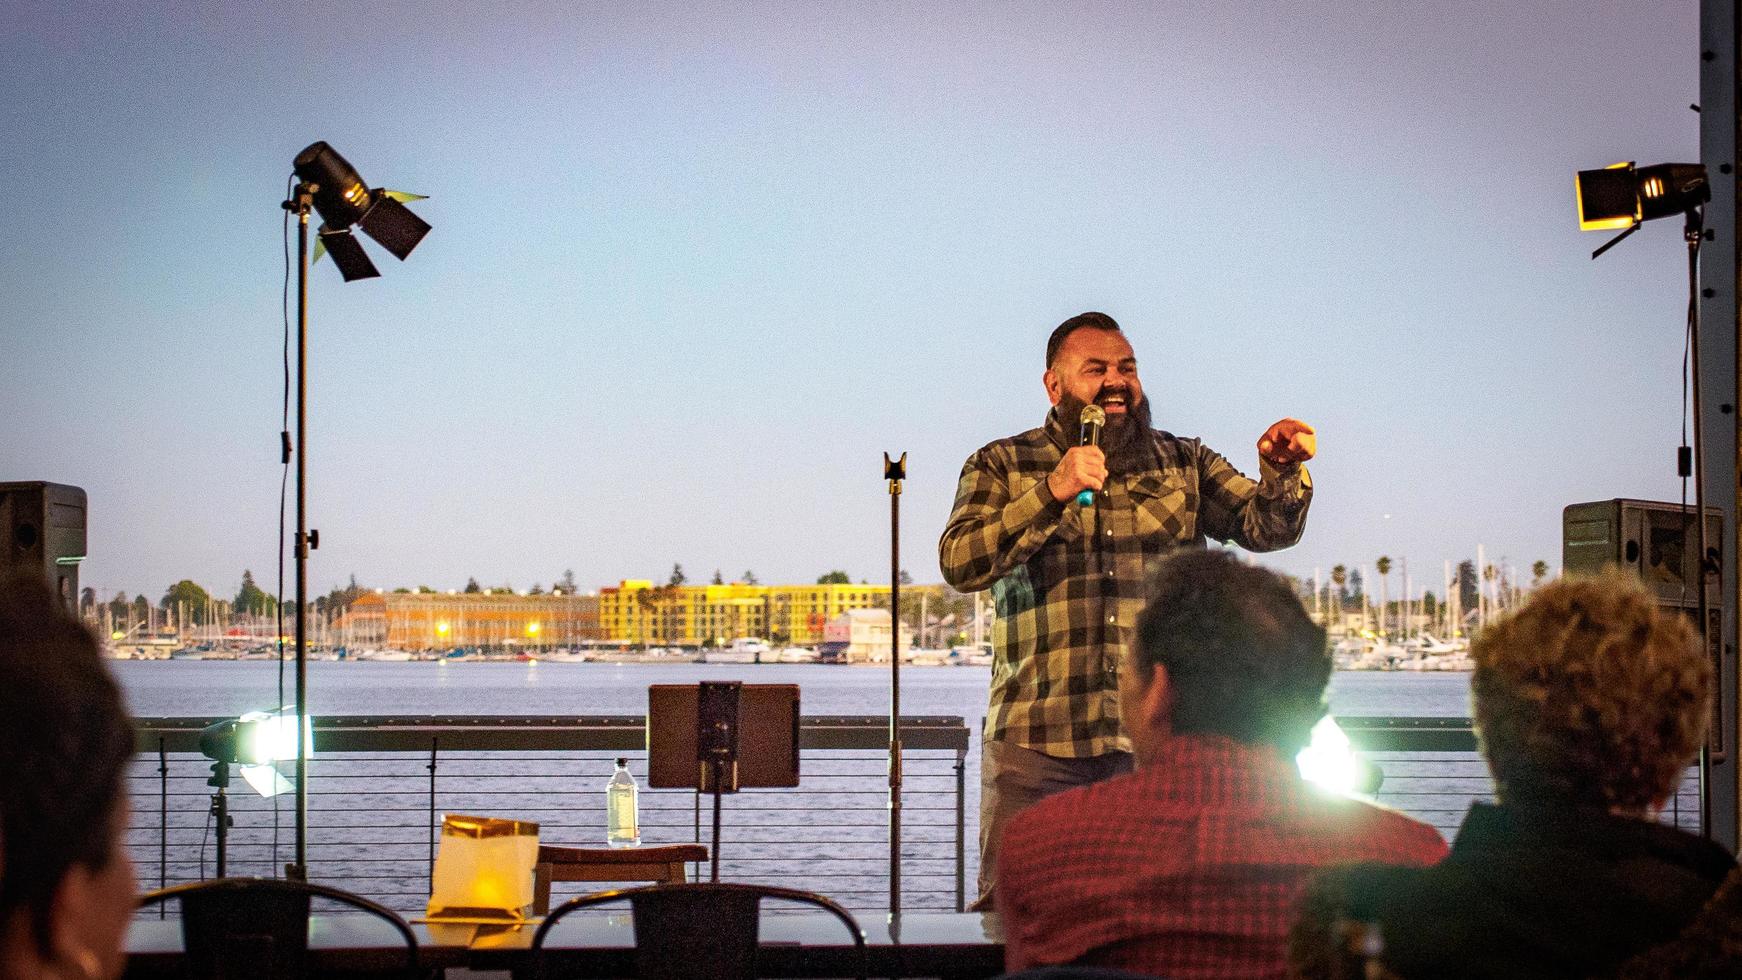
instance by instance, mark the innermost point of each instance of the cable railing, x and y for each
(380, 785)
(1433, 772)
(378, 788)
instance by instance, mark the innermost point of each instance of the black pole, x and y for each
(719, 775)
(162, 818)
(300, 202)
(961, 830)
(895, 471)
(433, 744)
(1692, 232)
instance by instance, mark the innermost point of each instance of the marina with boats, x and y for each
(738, 623)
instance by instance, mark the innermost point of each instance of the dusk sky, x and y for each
(694, 267)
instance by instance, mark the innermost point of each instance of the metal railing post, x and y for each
(433, 743)
(162, 820)
(961, 830)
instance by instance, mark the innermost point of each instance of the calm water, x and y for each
(218, 687)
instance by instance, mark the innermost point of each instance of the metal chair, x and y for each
(257, 928)
(663, 864)
(702, 929)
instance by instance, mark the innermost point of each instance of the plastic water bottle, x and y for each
(622, 818)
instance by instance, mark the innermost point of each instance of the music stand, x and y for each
(722, 736)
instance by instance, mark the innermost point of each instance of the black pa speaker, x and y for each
(1659, 542)
(1656, 541)
(42, 534)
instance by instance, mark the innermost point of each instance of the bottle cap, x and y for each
(623, 762)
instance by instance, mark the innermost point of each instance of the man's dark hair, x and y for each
(1242, 657)
(65, 745)
(1090, 320)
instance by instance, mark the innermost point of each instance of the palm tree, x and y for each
(1490, 602)
(1340, 578)
(1538, 572)
(1383, 565)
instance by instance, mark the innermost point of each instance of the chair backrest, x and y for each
(700, 929)
(257, 928)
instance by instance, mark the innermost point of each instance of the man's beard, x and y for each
(1124, 438)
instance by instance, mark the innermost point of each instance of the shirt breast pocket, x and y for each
(1166, 510)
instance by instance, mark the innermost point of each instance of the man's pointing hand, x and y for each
(1288, 442)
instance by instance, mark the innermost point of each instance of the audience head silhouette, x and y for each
(1224, 648)
(1590, 695)
(66, 882)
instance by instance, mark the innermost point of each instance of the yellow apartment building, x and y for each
(637, 611)
(437, 620)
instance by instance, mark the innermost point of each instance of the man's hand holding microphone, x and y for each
(1083, 470)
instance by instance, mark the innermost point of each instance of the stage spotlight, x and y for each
(257, 741)
(1624, 196)
(343, 200)
(1331, 762)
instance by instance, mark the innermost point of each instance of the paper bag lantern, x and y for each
(483, 870)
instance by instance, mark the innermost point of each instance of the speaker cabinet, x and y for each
(42, 533)
(1655, 541)
(1659, 543)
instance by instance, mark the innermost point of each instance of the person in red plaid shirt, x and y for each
(1193, 865)
(1067, 579)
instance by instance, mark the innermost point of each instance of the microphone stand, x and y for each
(894, 471)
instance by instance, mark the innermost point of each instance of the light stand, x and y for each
(1693, 231)
(301, 198)
(328, 184)
(1624, 196)
(895, 471)
(220, 781)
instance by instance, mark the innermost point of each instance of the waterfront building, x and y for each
(637, 611)
(438, 620)
(861, 636)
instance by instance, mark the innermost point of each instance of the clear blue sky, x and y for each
(696, 266)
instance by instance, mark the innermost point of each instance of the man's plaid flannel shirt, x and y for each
(1067, 581)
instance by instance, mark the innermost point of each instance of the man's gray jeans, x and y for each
(1011, 779)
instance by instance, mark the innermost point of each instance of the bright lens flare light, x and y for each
(259, 742)
(1330, 762)
(266, 737)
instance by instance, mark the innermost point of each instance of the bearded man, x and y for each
(1067, 580)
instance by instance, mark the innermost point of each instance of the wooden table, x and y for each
(920, 944)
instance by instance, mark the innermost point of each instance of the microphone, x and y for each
(1093, 417)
